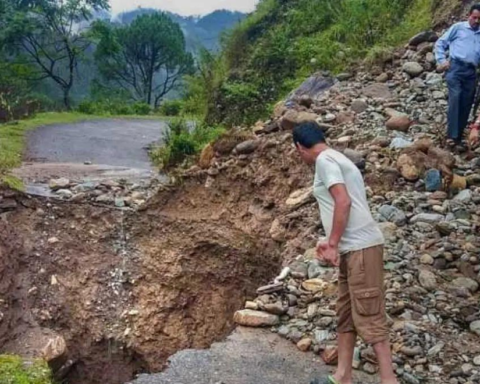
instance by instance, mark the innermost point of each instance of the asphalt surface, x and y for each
(248, 356)
(111, 142)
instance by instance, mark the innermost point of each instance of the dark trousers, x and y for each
(461, 80)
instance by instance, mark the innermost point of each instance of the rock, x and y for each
(476, 360)
(321, 336)
(370, 368)
(389, 230)
(382, 78)
(249, 318)
(426, 259)
(459, 183)
(304, 344)
(410, 379)
(434, 79)
(330, 355)
(64, 193)
(413, 68)
(344, 76)
(399, 123)
(359, 105)
(206, 157)
(377, 91)
(314, 269)
(435, 350)
(412, 351)
(119, 202)
(465, 282)
(423, 37)
(427, 280)
(329, 117)
(314, 285)
(272, 288)
(292, 118)
(306, 101)
(251, 305)
(475, 327)
(55, 352)
(400, 143)
(441, 156)
(430, 218)
(408, 167)
(393, 215)
(247, 147)
(61, 183)
(433, 180)
(278, 231)
(8, 205)
(464, 196)
(345, 117)
(355, 157)
(275, 308)
(53, 240)
(300, 197)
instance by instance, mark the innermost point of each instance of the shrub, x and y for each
(15, 371)
(141, 108)
(182, 141)
(171, 107)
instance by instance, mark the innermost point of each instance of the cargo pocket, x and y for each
(367, 301)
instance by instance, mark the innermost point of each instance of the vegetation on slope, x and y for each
(13, 370)
(284, 41)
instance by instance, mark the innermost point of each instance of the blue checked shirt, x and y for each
(462, 41)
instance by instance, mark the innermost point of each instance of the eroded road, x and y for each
(93, 150)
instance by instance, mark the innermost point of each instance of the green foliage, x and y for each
(171, 107)
(284, 41)
(183, 141)
(147, 58)
(141, 108)
(13, 370)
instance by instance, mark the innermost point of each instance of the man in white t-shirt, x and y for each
(355, 245)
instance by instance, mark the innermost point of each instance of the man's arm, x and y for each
(329, 251)
(443, 44)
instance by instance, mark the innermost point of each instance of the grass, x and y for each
(12, 137)
(13, 370)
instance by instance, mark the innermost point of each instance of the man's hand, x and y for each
(445, 66)
(328, 254)
(473, 138)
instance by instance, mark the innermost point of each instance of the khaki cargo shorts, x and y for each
(361, 295)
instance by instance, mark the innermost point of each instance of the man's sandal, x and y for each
(325, 380)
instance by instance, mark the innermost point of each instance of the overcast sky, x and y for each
(184, 7)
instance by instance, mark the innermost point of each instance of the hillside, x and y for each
(282, 42)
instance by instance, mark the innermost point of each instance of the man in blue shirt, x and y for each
(462, 41)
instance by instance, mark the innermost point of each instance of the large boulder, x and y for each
(247, 147)
(313, 87)
(423, 37)
(250, 318)
(292, 118)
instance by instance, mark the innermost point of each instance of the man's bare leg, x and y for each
(384, 357)
(346, 347)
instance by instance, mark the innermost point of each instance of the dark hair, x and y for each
(475, 7)
(308, 135)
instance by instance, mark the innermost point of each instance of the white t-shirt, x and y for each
(333, 168)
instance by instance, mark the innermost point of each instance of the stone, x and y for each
(344, 76)
(8, 205)
(459, 183)
(306, 101)
(435, 350)
(247, 147)
(409, 167)
(410, 379)
(292, 118)
(300, 197)
(465, 282)
(275, 308)
(304, 344)
(464, 196)
(475, 327)
(355, 157)
(370, 368)
(423, 37)
(359, 105)
(377, 91)
(64, 193)
(382, 78)
(399, 123)
(413, 68)
(426, 259)
(393, 214)
(61, 183)
(476, 360)
(278, 231)
(272, 288)
(330, 355)
(430, 218)
(321, 336)
(389, 230)
(329, 117)
(433, 180)
(427, 279)
(412, 351)
(314, 285)
(55, 352)
(400, 143)
(119, 202)
(206, 157)
(249, 318)
(251, 305)
(434, 79)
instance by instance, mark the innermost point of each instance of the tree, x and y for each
(148, 57)
(48, 34)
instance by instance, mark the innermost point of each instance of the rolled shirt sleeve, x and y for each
(329, 171)
(443, 44)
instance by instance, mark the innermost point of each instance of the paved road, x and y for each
(248, 356)
(111, 142)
